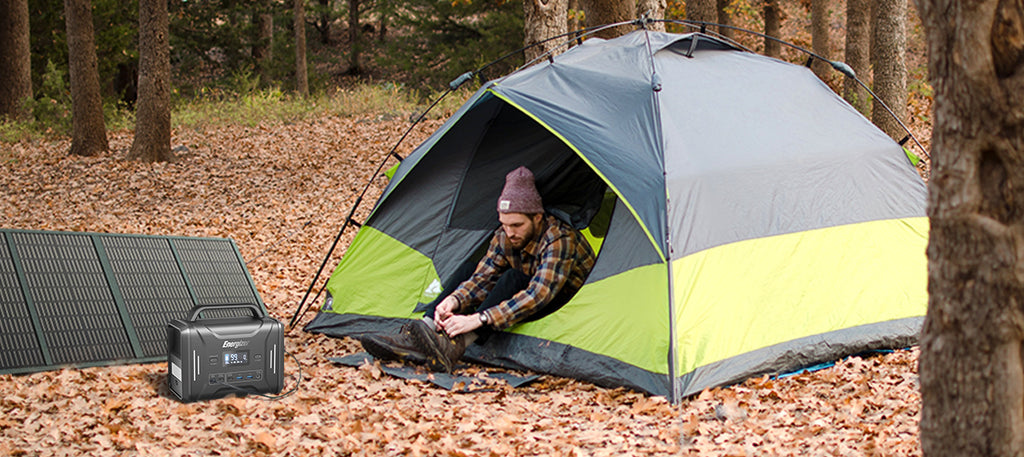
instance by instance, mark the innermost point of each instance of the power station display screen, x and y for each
(236, 358)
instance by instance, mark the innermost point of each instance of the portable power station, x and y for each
(211, 358)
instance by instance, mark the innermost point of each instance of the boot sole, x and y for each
(436, 360)
(383, 351)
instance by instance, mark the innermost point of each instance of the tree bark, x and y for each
(299, 28)
(15, 59)
(324, 26)
(772, 28)
(263, 45)
(152, 141)
(603, 12)
(888, 61)
(702, 10)
(353, 37)
(971, 373)
(88, 130)
(653, 9)
(543, 19)
(858, 45)
(384, 10)
(820, 42)
(724, 8)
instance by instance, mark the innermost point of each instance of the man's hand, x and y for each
(457, 324)
(444, 309)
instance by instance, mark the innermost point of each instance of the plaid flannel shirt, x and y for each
(559, 259)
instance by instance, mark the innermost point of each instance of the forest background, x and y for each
(277, 172)
(228, 51)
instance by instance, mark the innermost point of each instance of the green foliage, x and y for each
(210, 39)
(118, 116)
(115, 28)
(919, 82)
(52, 105)
(12, 132)
(117, 32)
(448, 38)
(386, 101)
(48, 40)
(51, 110)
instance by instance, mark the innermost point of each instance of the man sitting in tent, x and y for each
(535, 263)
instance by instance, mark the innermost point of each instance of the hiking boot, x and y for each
(401, 346)
(441, 351)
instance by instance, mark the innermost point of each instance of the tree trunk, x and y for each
(384, 11)
(325, 21)
(88, 131)
(888, 61)
(653, 9)
(702, 10)
(858, 45)
(299, 27)
(772, 28)
(153, 118)
(602, 12)
(263, 45)
(971, 373)
(15, 59)
(724, 10)
(353, 37)
(543, 19)
(820, 42)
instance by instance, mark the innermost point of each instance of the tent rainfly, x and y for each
(747, 220)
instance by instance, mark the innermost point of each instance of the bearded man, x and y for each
(534, 264)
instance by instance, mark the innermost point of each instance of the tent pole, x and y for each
(672, 375)
(675, 395)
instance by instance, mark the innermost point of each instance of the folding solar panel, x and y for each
(85, 299)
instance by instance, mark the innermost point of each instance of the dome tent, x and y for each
(748, 220)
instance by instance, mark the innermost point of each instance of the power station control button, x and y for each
(213, 360)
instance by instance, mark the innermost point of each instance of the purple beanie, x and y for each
(520, 193)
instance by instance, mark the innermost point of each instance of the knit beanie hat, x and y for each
(520, 193)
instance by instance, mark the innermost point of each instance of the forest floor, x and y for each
(260, 186)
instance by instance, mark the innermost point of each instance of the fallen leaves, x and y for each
(281, 192)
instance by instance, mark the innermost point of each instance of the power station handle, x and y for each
(196, 310)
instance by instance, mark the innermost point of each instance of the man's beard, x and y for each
(520, 243)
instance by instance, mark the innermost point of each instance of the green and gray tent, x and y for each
(747, 220)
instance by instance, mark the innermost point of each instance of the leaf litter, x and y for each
(281, 191)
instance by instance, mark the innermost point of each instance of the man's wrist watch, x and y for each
(483, 318)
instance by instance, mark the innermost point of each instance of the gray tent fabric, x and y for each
(776, 155)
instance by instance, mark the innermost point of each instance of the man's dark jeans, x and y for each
(511, 282)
